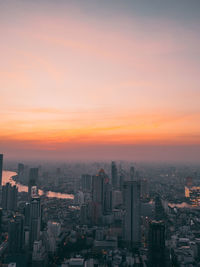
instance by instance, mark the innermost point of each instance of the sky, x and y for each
(100, 79)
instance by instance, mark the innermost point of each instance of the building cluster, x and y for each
(115, 219)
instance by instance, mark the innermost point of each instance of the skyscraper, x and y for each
(9, 197)
(33, 180)
(132, 173)
(35, 219)
(156, 244)
(131, 227)
(16, 234)
(114, 174)
(86, 182)
(1, 168)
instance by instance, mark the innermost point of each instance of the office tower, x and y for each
(98, 182)
(1, 168)
(16, 234)
(114, 174)
(27, 214)
(159, 210)
(20, 169)
(35, 220)
(9, 197)
(131, 226)
(98, 187)
(84, 216)
(33, 180)
(132, 173)
(156, 244)
(86, 182)
(107, 202)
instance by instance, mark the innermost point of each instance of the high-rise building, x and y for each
(98, 187)
(86, 182)
(1, 168)
(98, 183)
(16, 234)
(131, 228)
(156, 244)
(27, 214)
(9, 197)
(33, 179)
(35, 220)
(132, 173)
(159, 209)
(114, 174)
(107, 202)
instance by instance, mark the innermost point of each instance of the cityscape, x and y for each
(99, 133)
(115, 214)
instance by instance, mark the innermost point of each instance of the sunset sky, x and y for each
(100, 79)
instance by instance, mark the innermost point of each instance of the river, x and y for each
(7, 178)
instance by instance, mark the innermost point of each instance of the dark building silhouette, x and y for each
(159, 210)
(33, 180)
(114, 174)
(132, 203)
(107, 202)
(1, 168)
(157, 244)
(9, 197)
(35, 220)
(16, 234)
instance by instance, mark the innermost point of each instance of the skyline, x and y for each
(88, 79)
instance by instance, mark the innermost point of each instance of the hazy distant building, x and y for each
(114, 174)
(144, 189)
(20, 169)
(9, 197)
(132, 173)
(1, 168)
(156, 244)
(33, 179)
(131, 228)
(86, 182)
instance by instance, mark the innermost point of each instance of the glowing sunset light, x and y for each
(77, 75)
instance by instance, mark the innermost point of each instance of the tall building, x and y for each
(159, 209)
(33, 180)
(114, 174)
(131, 228)
(1, 168)
(9, 197)
(35, 220)
(98, 183)
(107, 202)
(157, 244)
(86, 182)
(132, 173)
(16, 234)
(98, 187)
